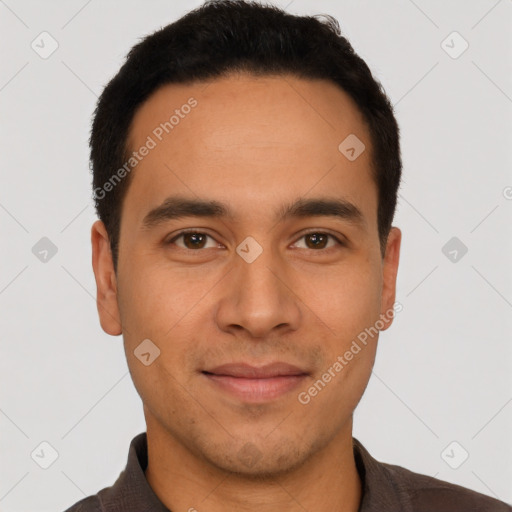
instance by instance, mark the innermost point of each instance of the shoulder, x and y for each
(426, 493)
(89, 504)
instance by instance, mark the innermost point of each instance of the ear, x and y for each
(106, 284)
(389, 273)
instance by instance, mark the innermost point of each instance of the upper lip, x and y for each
(244, 370)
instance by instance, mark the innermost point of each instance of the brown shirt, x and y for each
(386, 488)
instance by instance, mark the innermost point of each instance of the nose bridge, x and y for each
(258, 298)
(260, 277)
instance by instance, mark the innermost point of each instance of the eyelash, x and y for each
(314, 232)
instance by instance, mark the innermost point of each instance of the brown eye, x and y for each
(318, 240)
(192, 240)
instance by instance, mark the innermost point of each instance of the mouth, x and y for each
(256, 383)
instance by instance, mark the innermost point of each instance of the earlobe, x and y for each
(389, 275)
(106, 283)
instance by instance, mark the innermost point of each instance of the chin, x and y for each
(259, 460)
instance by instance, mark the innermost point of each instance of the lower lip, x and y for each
(256, 390)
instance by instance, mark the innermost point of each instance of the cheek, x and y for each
(154, 300)
(335, 394)
(168, 308)
(345, 298)
(155, 305)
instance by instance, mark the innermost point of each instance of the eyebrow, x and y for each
(177, 207)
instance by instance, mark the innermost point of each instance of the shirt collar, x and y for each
(381, 489)
(132, 493)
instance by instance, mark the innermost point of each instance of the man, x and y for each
(246, 167)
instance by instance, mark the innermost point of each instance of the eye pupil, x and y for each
(194, 237)
(319, 239)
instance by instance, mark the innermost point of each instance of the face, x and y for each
(256, 309)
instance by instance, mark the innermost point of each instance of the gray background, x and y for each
(443, 371)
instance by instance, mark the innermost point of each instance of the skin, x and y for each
(254, 143)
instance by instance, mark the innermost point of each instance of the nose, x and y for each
(258, 298)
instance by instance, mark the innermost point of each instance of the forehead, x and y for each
(255, 143)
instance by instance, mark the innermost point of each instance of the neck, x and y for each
(182, 481)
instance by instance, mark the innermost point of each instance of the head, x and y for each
(265, 135)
